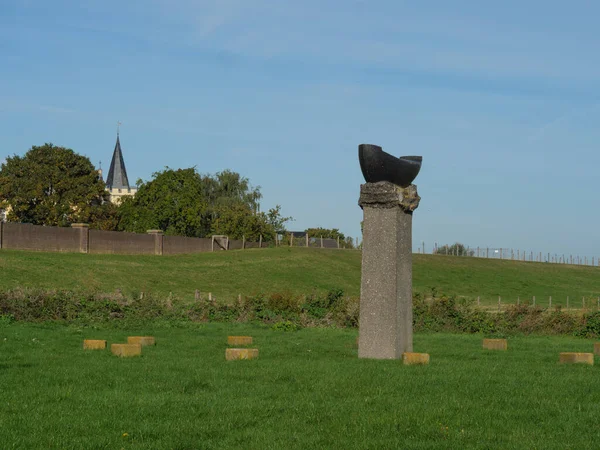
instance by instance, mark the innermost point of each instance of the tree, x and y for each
(173, 201)
(183, 202)
(54, 186)
(456, 249)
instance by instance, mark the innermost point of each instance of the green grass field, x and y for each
(247, 272)
(307, 390)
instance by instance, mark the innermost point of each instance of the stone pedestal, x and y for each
(495, 344)
(158, 241)
(385, 322)
(142, 340)
(84, 236)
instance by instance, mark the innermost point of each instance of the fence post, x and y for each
(550, 303)
(478, 300)
(338, 242)
(291, 239)
(196, 294)
(243, 242)
(534, 300)
(518, 300)
(84, 236)
(306, 240)
(321, 241)
(158, 241)
(487, 252)
(499, 302)
(260, 241)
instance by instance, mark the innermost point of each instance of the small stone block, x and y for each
(239, 340)
(94, 344)
(597, 348)
(142, 340)
(232, 354)
(495, 344)
(126, 350)
(577, 358)
(409, 359)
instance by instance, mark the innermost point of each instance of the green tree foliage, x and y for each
(183, 202)
(238, 220)
(54, 186)
(174, 201)
(456, 249)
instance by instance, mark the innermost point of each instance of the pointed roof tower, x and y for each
(117, 174)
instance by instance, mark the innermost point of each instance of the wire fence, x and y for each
(509, 254)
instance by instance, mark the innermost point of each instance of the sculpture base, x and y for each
(385, 321)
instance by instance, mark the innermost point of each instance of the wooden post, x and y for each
(478, 301)
(518, 300)
(291, 239)
(306, 240)
(210, 296)
(499, 302)
(338, 242)
(196, 294)
(243, 242)
(550, 303)
(321, 241)
(260, 241)
(534, 300)
(487, 252)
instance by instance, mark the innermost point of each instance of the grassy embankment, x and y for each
(308, 389)
(248, 272)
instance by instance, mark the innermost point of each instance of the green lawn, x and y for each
(307, 390)
(247, 272)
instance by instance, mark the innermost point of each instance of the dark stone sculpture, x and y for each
(377, 165)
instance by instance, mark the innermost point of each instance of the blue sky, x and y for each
(501, 99)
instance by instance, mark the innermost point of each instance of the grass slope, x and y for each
(248, 272)
(307, 390)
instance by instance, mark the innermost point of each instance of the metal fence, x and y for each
(509, 254)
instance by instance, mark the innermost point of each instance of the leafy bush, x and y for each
(287, 312)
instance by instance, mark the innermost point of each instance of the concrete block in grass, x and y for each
(239, 340)
(576, 358)
(142, 340)
(126, 350)
(232, 354)
(495, 344)
(94, 344)
(410, 358)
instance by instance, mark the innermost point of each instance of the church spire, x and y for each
(117, 174)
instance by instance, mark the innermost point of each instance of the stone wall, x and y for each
(24, 236)
(174, 245)
(121, 242)
(79, 238)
